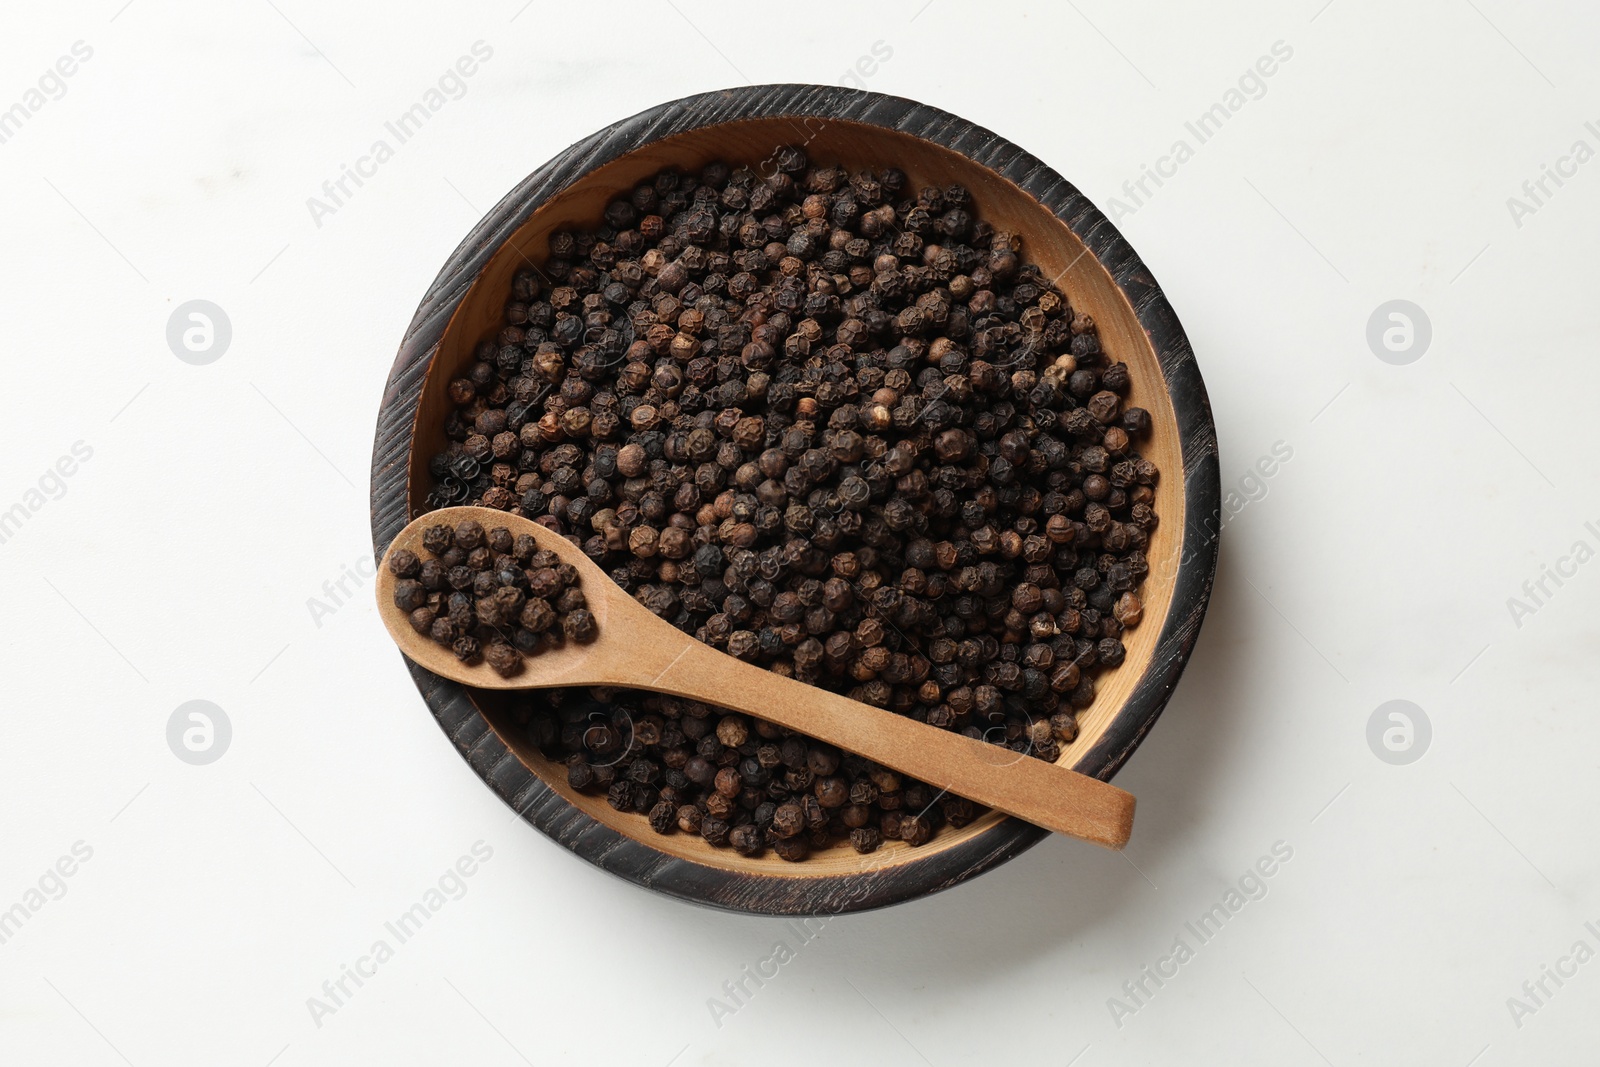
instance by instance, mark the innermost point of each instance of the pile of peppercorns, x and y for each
(488, 596)
(838, 428)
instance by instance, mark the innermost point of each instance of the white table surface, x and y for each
(179, 561)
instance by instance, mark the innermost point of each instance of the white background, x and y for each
(219, 499)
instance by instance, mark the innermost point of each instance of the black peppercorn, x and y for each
(409, 595)
(866, 839)
(580, 776)
(438, 539)
(747, 840)
(838, 427)
(489, 601)
(663, 817)
(792, 849)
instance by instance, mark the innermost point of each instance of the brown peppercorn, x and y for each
(537, 615)
(865, 839)
(747, 840)
(505, 660)
(1064, 677)
(788, 820)
(1064, 726)
(663, 817)
(469, 534)
(438, 539)
(728, 782)
(1128, 610)
(732, 730)
(403, 563)
(831, 791)
(915, 830)
(579, 626)
(792, 849)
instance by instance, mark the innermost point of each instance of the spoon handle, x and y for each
(1041, 793)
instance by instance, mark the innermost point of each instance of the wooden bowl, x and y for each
(1062, 232)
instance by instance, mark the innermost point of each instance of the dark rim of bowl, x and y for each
(782, 893)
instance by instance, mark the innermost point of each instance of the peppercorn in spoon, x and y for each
(610, 639)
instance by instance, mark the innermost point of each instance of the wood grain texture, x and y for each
(1062, 232)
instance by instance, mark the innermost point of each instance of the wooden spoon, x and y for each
(636, 649)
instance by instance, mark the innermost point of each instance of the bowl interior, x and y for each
(1047, 241)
